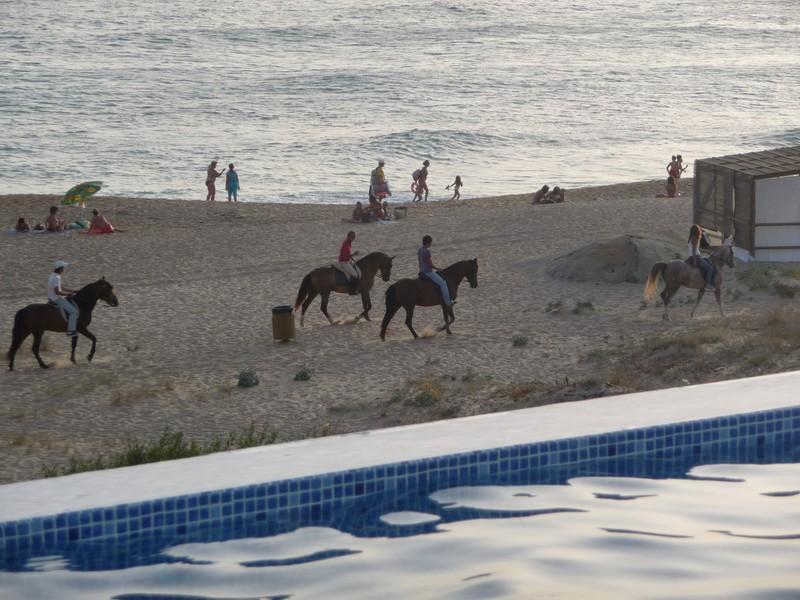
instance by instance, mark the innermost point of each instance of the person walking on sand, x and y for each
(58, 295)
(232, 183)
(456, 185)
(429, 270)
(211, 177)
(345, 263)
(378, 185)
(422, 181)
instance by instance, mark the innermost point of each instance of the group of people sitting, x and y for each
(55, 223)
(376, 211)
(547, 196)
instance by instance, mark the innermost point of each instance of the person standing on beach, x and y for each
(679, 173)
(422, 180)
(232, 183)
(378, 185)
(58, 295)
(456, 185)
(345, 263)
(211, 177)
(428, 269)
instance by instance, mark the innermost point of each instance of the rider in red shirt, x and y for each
(345, 264)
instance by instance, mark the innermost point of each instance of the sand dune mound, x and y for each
(627, 258)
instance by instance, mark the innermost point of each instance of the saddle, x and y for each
(61, 310)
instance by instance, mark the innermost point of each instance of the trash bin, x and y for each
(282, 323)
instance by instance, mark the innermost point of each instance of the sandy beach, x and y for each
(196, 283)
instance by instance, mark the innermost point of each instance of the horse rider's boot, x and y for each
(354, 286)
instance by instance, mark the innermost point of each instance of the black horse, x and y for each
(37, 318)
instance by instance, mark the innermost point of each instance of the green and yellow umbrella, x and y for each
(82, 192)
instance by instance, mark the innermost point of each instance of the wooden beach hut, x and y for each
(755, 196)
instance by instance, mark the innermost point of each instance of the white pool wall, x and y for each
(383, 446)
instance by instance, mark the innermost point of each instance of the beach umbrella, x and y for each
(82, 192)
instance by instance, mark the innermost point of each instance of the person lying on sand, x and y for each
(22, 226)
(100, 224)
(54, 223)
(539, 196)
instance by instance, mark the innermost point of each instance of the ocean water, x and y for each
(304, 96)
(726, 532)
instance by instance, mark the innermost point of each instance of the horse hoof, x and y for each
(449, 332)
(366, 318)
(90, 357)
(45, 366)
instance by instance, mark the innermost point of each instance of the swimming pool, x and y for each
(292, 535)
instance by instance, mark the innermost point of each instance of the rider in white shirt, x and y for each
(58, 295)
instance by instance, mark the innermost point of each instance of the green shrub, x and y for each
(302, 375)
(248, 378)
(170, 446)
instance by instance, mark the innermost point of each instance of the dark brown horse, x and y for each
(322, 282)
(409, 293)
(37, 318)
(679, 273)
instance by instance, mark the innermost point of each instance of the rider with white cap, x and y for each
(58, 295)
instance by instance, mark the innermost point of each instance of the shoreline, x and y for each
(196, 282)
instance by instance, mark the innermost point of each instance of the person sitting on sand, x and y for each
(554, 196)
(345, 263)
(696, 259)
(232, 183)
(54, 223)
(357, 215)
(538, 197)
(99, 223)
(428, 269)
(385, 210)
(22, 226)
(211, 177)
(671, 189)
(58, 295)
(456, 185)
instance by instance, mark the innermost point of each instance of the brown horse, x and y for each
(679, 273)
(409, 293)
(37, 318)
(322, 281)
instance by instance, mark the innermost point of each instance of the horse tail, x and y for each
(305, 287)
(17, 332)
(652, 281)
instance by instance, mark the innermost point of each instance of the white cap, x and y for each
(60, 264)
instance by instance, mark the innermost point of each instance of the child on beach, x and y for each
(456, 185)
(22, 226)
(232, 183)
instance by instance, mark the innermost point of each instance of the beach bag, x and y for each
(415, 175)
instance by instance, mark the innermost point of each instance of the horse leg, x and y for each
(390, 312)
(16, 342)
(718, 296)
(409, 316)
(311, 295)
(37, 341)
(667, 295)
(74, 345)
(447, 311)
(91, 336)
(700, 294)
(324, 307)
(367, 304)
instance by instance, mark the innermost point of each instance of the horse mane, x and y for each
(456, 265)
(372, 255)
(83, 297)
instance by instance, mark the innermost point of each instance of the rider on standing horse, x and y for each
(698, 260)
(345, 264)
(428, 269)
(59, 295)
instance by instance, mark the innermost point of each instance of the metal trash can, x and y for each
(282, 323)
